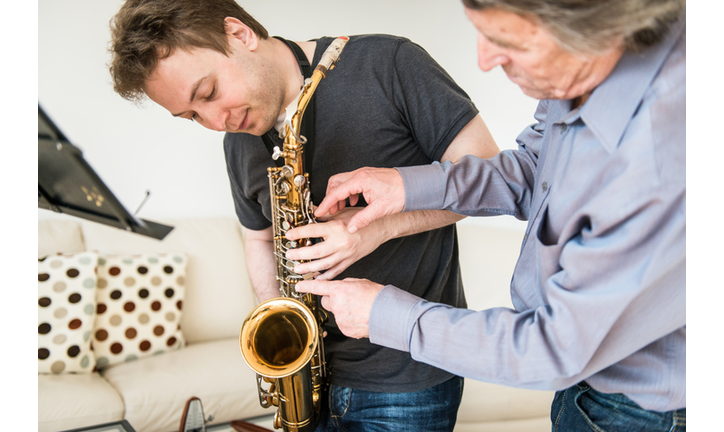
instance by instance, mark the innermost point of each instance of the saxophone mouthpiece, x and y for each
(331, 55)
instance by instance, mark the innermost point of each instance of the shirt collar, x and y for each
(623, 89)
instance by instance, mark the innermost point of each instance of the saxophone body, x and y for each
(281, 339)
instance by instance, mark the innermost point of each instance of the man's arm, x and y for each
(260, 263)
(341, 248)
(638, 282)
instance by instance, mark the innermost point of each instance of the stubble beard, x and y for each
(269, 97)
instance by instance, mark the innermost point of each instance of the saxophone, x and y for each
(281, 339)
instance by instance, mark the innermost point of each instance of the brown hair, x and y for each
(592, 26)
(146, 31)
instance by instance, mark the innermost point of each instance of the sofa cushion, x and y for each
(59, 236)
(66, 311)
(490, 404)
(72, 401)
(155, 389)
(140, 299)
(218, 291)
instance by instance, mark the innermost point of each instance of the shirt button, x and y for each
(544, 186)
(564, 127)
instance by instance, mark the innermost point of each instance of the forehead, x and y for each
(183, 63)
(174, 78)
(509, 29)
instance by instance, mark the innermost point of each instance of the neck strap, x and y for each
(304, 65)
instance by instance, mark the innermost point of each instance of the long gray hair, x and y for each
(593, 26)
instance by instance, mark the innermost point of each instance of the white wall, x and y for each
(135, 149)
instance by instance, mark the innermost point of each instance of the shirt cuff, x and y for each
(391, 320)
(424, 186)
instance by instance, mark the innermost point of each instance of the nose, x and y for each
(489, 54)
(214, 119)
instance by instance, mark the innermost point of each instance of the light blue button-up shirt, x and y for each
(599, 288)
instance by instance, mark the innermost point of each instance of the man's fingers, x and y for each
(307, 231)
(312, 286)
(313, 266)
(336, 196)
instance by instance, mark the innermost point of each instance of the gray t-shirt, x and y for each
(386, 104)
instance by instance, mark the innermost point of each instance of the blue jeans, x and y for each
(581, 408)
(432, 409)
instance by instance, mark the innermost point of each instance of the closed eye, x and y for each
(212, 94)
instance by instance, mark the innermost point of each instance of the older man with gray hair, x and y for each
(599, 289)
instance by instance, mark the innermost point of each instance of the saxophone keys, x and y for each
(283, 189)
(286, 171)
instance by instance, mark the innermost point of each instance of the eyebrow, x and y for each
(502, 43)
(194, 89)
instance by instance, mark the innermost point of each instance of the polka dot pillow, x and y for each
(66, 311)
(139, 302)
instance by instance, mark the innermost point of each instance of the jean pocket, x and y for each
(339, 398)
(588, 408)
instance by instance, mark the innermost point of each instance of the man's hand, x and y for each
(382, 188)
(340, 248)
(350, 301)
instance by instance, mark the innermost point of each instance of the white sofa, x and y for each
(150, 392)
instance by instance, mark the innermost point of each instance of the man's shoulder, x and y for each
(375, 44)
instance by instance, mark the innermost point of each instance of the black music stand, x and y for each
(67, 184)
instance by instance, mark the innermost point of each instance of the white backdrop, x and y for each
(139, 148)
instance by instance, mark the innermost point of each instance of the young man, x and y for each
(387, 103)
(600, 285)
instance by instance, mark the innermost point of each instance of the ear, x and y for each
(240, 32)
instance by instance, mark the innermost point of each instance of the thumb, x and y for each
(363, 219)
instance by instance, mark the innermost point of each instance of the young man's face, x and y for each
(532, 58)
(238, 93)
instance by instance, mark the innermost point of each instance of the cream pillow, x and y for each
(140, 299)
(66, 311)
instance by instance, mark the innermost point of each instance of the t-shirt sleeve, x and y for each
(433, 104)
(248, 194)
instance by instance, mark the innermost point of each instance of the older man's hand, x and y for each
(382, 188)
(350, 301)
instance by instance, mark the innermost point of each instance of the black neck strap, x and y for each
(304, 65)
(308, 120)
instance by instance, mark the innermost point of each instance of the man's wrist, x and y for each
(424, 187)
(390, 318)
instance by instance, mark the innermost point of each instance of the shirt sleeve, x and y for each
(249, 187)
(423, 90)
